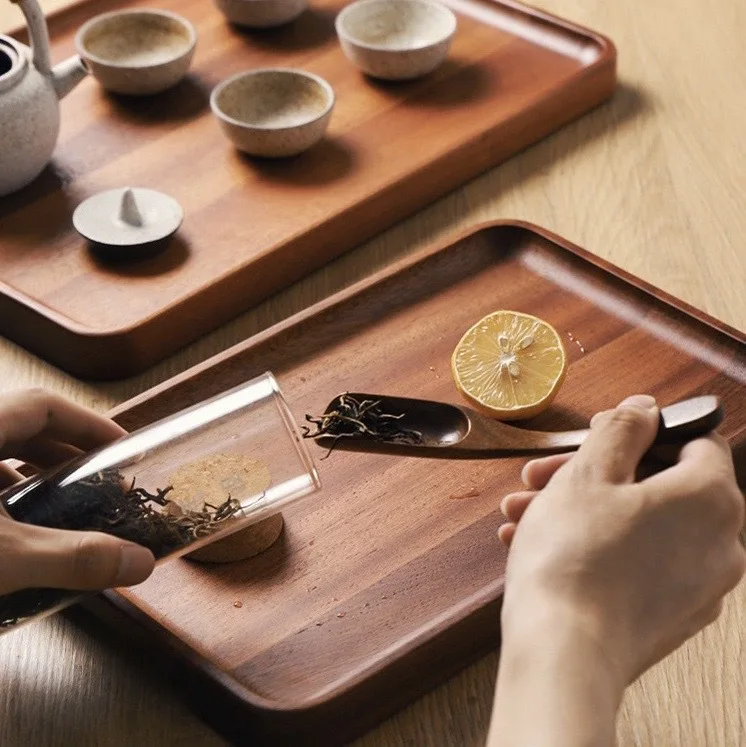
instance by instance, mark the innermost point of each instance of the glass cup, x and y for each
(172, 486)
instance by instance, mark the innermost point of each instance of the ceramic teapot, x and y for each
(30, 90)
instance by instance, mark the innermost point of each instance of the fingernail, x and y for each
(135, 565)
(643, 401)
(504, 505)
(525, 471)
(597, 416)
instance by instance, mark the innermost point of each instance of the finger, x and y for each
(43, 453)
(9, 476)
(514, 505)
(27, 414)
(599, 416)
(506, 532)
(656, 459)
(617, 441)
(538, 472)
(700, 462)
(61, 559)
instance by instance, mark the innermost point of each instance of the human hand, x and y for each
(45, 430)
(639, 567)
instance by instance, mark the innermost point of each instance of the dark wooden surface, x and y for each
(389, 579)
(255, 226)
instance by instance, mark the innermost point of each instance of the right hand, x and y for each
(45, 430)
(635, 567)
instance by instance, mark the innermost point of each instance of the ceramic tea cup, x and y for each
(261, 13)
(137, 52)
(273, 112)
(396, 39)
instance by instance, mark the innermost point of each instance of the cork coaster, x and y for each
(212, 480)
(243, 544)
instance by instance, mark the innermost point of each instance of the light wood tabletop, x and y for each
(653, 182)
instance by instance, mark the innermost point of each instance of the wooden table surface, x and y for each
(653, 182)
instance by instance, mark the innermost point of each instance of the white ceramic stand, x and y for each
(129, 217)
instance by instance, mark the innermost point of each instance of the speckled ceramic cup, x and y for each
(137, 52)
(396, 39)
(273, 112)
(261, 13)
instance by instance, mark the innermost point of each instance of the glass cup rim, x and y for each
(292, 425)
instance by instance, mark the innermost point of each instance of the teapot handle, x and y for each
(38, 33)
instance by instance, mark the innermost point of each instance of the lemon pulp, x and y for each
(509, 365)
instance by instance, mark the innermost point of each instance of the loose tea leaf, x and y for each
(105, 502)
(360, 419)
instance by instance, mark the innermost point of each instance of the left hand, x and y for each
(45, 430)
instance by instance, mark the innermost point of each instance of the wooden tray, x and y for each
(252, 227)
(389, 580)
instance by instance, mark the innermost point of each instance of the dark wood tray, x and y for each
(389, 580)
(252, 227)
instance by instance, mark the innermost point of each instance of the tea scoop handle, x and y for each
(689, 419)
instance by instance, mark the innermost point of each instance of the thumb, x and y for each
(618, 439)
(63, 559)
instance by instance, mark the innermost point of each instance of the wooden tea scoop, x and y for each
(418, 427)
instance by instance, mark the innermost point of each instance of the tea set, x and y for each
(268, 112)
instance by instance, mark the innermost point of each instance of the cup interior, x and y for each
(136, 39)
(396, 24)
(273, 99)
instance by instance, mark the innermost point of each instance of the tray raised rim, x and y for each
(545, 17)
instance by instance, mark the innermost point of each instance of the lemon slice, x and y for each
(509, 365)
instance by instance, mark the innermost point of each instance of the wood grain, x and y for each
(650, 182)
(390, 579)
(254, 226)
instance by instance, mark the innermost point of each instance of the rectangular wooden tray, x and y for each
(252, 227)
(389, 580)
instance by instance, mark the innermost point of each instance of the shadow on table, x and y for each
(182, 103)
(465, 83)
(160, 258)
(324, 163)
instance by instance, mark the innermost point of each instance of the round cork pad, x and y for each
(212, 480)
(243, 544)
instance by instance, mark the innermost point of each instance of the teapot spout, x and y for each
(67, 75)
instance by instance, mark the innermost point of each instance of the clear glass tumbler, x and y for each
(173, 486)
